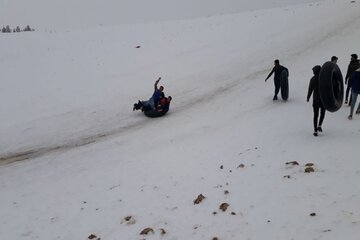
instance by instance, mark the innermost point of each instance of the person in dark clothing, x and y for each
(334, 59)
(317, 103)
(277, 72)
(355, 91)
(353, 65)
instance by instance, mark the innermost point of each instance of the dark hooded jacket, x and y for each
(353, 65)
(314, 88)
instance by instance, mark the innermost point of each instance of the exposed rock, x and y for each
(146, 231)
(293, 163)
(199, 199)
(224, 206)
(309, 169)
(93, 236)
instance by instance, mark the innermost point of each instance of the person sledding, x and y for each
(157, 105)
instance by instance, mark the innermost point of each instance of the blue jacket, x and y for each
(355, 81)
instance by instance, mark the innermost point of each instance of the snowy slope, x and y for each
(67, 98)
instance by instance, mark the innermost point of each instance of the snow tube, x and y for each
(331, 87)
(153, 113)
(284, 85)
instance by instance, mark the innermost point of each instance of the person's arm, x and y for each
(310, 90)
(270, 74)
(156, 83)
(347, 74)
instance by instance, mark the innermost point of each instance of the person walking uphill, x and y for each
(317, 103)
(355, 91)
(353, 65)
(277, 72)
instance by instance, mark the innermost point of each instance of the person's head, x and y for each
(334, 59)
(161, 88)
(354, 56)
(316, 69)
(276, 62)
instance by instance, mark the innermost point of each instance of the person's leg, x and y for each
(354, 96)
(358, 108)
(347, 93)
(315, 119)
(322, 116)
(277, 88)
(353, 102)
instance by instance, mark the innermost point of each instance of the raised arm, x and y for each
(156, 84)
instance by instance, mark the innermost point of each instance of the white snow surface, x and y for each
(75, 160)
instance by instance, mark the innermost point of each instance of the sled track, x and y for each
(38, 152)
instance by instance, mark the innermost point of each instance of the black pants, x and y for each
(316, 116)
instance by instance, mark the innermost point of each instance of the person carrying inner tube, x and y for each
(277, 72)
(317, 103)
(353, 65)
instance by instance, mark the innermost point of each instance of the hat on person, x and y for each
(355, 56)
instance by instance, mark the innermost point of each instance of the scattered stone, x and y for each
(137, 47)
(214, 213)
(224, 206)
(214, 238)
(353, 2)
(241, 165)
(309, 169)
(93, 236)
(268, 221)
(162, 231)
(128, 220)
(230, 171)
(327, 230)
(313, 214)
(287, 176)
(199, 199)
(309, 165)
(221, 167)
(233, 213)
(226, 192)
(293, 163)
(146, 231)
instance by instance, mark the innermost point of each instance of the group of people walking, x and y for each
(352, 80)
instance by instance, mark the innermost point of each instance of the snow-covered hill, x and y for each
(87, 160)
